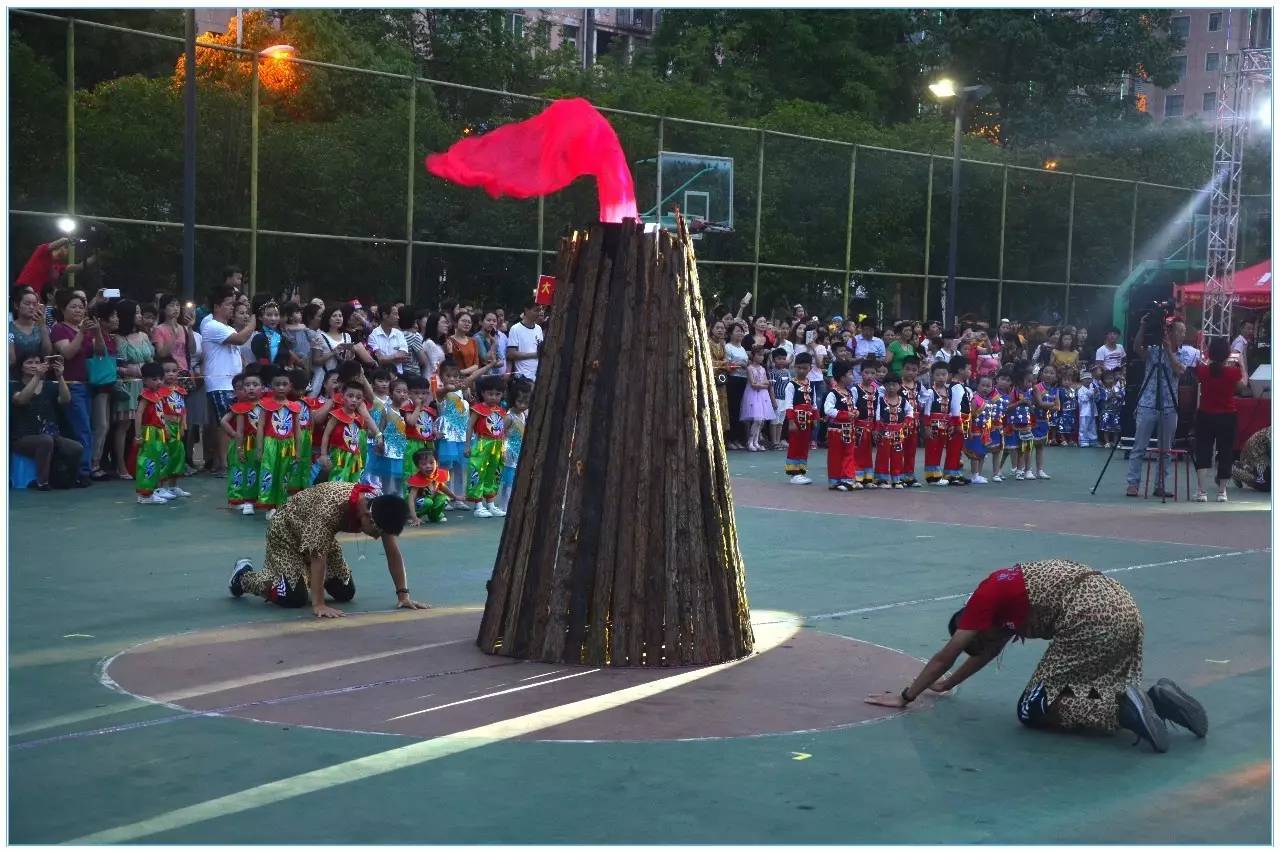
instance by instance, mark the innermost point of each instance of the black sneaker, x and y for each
(1139, 716)
(242, 566)
(1177, 706)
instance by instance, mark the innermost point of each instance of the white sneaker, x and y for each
(898, 486)
(1031, 475)
(153, 498)
(494, 511)
(943, 482)
(481, 512)
(179, 492)
(246, 509)
(978, 480)
(800, 480)
(164, 493)
(995, 478)
(884, 486)
(1043, 475)
(1019, 475)
(1222, 497)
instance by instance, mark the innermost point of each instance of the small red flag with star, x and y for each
(546, 290)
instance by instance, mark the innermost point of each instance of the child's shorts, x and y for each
(508, 477)
(1011, 441)
(779, 416)
(449, 452)
(1040, 431)
(974, 448)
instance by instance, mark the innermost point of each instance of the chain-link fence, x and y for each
(310, 174)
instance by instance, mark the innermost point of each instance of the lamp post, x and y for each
(965, 97)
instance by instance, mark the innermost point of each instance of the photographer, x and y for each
(47, 264)
(35, 401)
(1157, 409)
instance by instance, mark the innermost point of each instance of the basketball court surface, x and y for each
(147, 705)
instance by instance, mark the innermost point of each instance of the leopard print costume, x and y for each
(1095, 633)
(306, 525)
(1253, 468)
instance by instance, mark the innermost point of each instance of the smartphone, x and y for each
(111, 293)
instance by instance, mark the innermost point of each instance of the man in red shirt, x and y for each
(1089, 677)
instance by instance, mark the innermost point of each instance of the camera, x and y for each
(1154, 321)
(96, 236)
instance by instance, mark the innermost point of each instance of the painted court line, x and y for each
(489, 696)
(859, 516)
(411, 755)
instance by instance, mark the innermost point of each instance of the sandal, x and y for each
(98, 475)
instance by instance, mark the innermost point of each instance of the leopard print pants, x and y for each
(1095, 649)
(1253, 468)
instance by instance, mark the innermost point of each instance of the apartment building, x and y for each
(1214, 37)
(592, 33)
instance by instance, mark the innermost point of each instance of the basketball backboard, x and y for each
(699, 185)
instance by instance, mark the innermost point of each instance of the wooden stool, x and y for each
(1181, 459)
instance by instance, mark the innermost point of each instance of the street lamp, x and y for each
(965, 97)
(66, 225)
(278, 51)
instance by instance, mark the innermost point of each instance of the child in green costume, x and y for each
(429, 492)
(278, 437)
(488, 423)
(241, 426)
(342, 446)
(152, 462)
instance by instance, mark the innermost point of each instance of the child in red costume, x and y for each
(840, 406)
(798, 402)
(893, 417)
(868, 393)
(961, 404)
(935, 417)
(910, 390)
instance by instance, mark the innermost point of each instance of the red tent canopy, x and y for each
(1253, 288)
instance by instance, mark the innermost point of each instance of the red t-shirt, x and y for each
(41, 268)
(1000, 601)
(1218, 393)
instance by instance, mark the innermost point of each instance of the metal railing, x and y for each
(849, 271)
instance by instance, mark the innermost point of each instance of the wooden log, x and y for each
(621, 547)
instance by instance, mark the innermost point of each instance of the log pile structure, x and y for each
(620, 546)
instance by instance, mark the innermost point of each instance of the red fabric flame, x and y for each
(544, 154)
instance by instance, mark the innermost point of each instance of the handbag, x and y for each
(102, 370)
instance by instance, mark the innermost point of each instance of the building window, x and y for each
(1180, 27)
(1210, 102)
(569, 36)
(1215, 21)
(1211, 62)
(1172, 106)
(515, 25)
(1180, 67)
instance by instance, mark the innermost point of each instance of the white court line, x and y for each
(489, 695)
(967, 524)
(389, 761)
(541, 675)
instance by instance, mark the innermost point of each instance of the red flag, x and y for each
(544, 154)
(546, 290)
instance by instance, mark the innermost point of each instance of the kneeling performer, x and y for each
(304, 560)
(1090, 676)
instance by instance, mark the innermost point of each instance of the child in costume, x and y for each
(961, 412)
(998, 403)
(384, 462)
(1021, 419)
(757, 399)
(343, 442)
(149, 437)
(779, 376)
(278, 442)
(419, 415)
(429, 493)
(1049, 405)
(241, 425)
(864, 425)
(893, 417)
(935, 417)
(451, 430)
(488, 424)
(978, 439)
(300, 472)
(520, 392)
(175, 428)
(910, 390)
(840, 407)
(319, 408)
(1069, 409)
(1088, 411)
(801, 414)
(1110, 403)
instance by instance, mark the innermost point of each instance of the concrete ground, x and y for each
(91, 763)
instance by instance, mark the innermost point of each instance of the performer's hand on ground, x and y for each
(888, 699)
(324, 611)
(940, 686)
(414, 521)
(407, 603)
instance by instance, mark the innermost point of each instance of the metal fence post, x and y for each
(189, 164)
(540, 238)
(408, 213)
(1133, 224)
(755, 267)
(662, 130)
(253, 176)
(928, 240)
(848, 233)
(71, 138)
(1071, 227)
(1004, 209)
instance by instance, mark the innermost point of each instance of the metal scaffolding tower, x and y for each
(1245, 71)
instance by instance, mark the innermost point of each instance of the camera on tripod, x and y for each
(1154, 322)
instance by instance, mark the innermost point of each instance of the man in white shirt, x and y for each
(1241, 345)
(388, 343)
(1111, 354)
(867, 344)
(221, 360)
(524, 344)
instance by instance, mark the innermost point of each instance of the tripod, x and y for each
(1161, 431)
